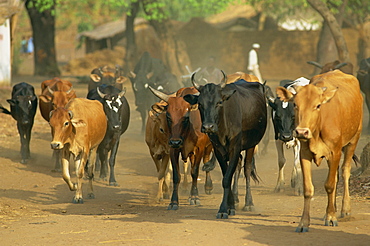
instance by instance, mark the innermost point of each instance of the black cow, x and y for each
(152, 72)
(363, 76)
(235, 117)
(117, 111)
(108, 76)
(23, 107)
(283, 118)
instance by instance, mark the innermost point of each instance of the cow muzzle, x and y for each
(286, 137)
(175, 143)
(209, 128)
(56, 145)
(303, 133)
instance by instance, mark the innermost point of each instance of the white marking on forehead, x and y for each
(285, 104)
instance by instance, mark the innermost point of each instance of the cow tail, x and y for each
(4, 110)
(356, 160)
(254, 174)
(210, 165)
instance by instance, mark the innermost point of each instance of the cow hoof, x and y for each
(90, 196)
(78, 200)
(208, 190)
(232, 211)
(301, 229)
(113, 184)
(248, 208)
(173, 206)
(331, 223)
(56, 170)
(24, 161)
(222, 216)
(194, 201)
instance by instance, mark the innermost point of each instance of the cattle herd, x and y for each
(221, 120)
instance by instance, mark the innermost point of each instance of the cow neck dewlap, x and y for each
(319, 149)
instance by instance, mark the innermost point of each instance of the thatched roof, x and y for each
(109, 29)
(8, 8)
(234, 11)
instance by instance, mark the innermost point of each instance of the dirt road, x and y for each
(36, 208)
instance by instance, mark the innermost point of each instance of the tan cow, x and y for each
(78, 129)
(329, 120)
(231, 78)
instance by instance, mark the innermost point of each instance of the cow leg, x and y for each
(65, 172)
(174, 204)
(308, 188)
(185, 182)
(331, 189)
(103, 156)
(227, 206)
(249, 167)
(236, 177)
(90, 171)
(281, 163)
(80, 163)
(208, 186)
(296, 181)
(162, 186)
(112, 162)
(346, 173)
(195, 163)
(22, 136)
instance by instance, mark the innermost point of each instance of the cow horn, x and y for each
(223, 81)
(69, 91)
(316, 64)
(100, 70)
(340, 65)
(159, 94)
(51, 113)
(101, 94)
(194, 82)
(50, 90)
(70, 114)
(122, 93)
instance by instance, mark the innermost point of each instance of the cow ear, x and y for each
(121, 80)
(227, 94)
(95, 77)
(158, 108)
(192, 99)
(283, 94)
(78, 123)
(327, 94)
(45, 99)
(194, 107)
(12, 102)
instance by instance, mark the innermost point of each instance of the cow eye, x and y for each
(318, 106)
(219, 103)
(66, 123)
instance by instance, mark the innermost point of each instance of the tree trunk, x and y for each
(43, 29)
(131, 48)
(334, 26)
(326, 49)
(173, 50)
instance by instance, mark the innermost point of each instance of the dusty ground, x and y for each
(36, 208)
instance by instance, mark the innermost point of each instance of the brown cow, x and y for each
(345, 67)
(156, 137)
(78, 129)
(55, 93)
(186, 138)
(329, 120)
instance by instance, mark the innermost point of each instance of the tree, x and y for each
(43, 31)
